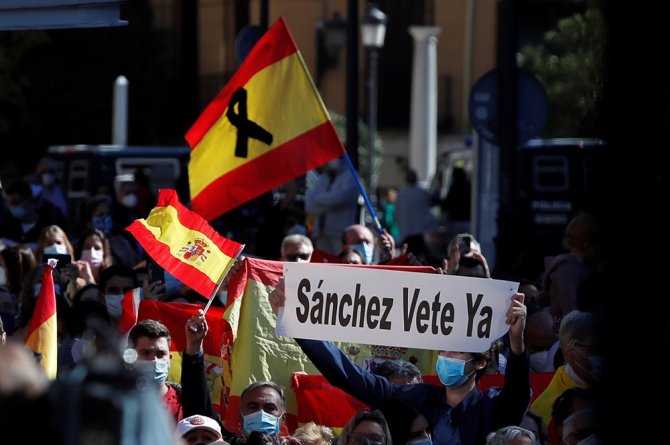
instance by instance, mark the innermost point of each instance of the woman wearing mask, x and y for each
(92, 255)
(52, 243)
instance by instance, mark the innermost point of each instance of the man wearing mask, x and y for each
(46, 175)
(262, 411)
(358, 237)
(150, 339)
(332, 204)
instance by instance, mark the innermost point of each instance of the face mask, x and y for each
(38, 286)
(18, 212)
(366, 250)
(262, 422)
(597, 367)
(172, 285)
(48, 179)
(77, 349)
(130, 200)
(103, 223)
(92, 256)
(55, 249)
(424, 441)
(451, 371)
(113, 303)
(3, 276)
(161, 368)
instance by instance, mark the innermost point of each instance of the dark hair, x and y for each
(267, 384)
(399, 415)
(397, 368)
(148, 328)
(562, 406)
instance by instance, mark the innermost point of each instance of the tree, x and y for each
(570, 65)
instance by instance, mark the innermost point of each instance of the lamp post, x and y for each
(373, 31)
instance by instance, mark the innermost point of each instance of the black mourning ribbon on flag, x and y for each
(245, 128)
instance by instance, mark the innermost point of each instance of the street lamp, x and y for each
(373, 30)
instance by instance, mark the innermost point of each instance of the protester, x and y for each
(296, 248)
(262, 411)
(400, 372)
(511, 435)
(477, 413)
(414, 206)
(361, 239)
(151, 341)
(313, 434)
(332, 204)
(366, 428)
(406, 423)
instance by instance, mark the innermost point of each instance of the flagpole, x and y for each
(368, 204)
(218, 285)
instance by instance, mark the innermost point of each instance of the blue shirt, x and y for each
(467, 423)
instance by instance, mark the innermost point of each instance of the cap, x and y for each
(197, 422)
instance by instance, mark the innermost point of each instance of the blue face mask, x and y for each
(103, 223)
(366, 250)
(161, 368)
(262, 422)
(18, 212)
(451, 371)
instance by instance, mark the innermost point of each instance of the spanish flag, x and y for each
(42, 331)
(267, 126)
(182, 243)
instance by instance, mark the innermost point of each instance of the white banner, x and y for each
(393, 308)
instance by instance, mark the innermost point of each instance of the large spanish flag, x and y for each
(182, 243)
(42, 331)
(267, 126)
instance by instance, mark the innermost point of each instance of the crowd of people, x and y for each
(553, 325)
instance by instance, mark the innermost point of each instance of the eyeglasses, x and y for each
(295, 256)
(366, 439)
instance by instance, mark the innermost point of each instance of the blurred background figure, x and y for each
(47, 176)
(456, 204)
(332, 205)
(414, 209)
(400, 372)
(388, 207)
(296, 248)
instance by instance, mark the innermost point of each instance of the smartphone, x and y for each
(465, 245)
(63, 259)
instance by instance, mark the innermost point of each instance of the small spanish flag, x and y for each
(266, 127)
(42, 331)
(183, 244)
(129, 308)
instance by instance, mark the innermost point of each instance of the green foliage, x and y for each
(570, 65)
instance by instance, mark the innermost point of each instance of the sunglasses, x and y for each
(295, 256)
(366, 439)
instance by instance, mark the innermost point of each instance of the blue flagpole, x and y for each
(368, 204)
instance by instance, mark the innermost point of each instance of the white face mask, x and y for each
(48, 179)
(55, 249)
(113, 303)
(93, 257)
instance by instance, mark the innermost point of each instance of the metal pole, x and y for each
(120, 116)
(352, 81)
(373, 63)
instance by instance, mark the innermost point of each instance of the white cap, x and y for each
(197, 422)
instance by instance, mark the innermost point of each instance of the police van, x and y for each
(83, 167)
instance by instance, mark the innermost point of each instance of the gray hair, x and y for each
(266, 384)
(579, 326)
(507, 434)
(296, 238)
